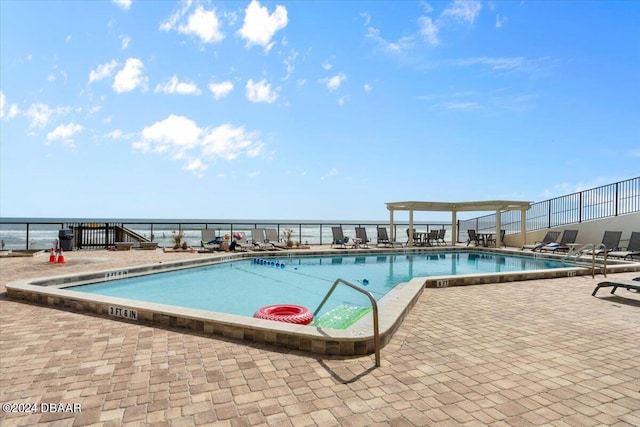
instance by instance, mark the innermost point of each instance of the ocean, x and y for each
(42, 233)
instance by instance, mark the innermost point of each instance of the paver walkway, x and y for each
(540, 352)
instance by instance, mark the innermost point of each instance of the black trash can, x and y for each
(65, 237)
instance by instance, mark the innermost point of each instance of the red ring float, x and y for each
(285, 313)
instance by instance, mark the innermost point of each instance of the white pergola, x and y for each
(490, 205)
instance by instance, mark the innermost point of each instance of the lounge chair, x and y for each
(549, 238)
(361, 233)
(240, 242)
(209, 242)
(473, 237)
(271, 236)
(383, 238)
(338, 238)
(611, 241)
(259, 240)
(568, 237)
(622, 283)
(441, 234)
(632, 249)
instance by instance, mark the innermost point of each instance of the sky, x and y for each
(321, 110)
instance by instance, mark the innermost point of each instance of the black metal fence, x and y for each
(610, 200)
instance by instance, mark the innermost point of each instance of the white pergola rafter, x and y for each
(454, 207)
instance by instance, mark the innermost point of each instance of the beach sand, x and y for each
(541, 352)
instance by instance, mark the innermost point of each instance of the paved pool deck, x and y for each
(537, 352)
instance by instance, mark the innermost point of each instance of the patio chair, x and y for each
(383, 238)
(209, 241)
(361, 233)
(568, 237)
(441, 235)
(492, 238)
(550, 237)
(632, 250)
(271, 236)
(473, 237)
(417, 237)
(431, 238)
(618, 283)
(338, 238)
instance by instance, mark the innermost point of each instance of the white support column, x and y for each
(411, 227)
(391, 227)
(454, 228)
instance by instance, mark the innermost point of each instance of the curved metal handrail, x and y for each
(590, 249)
(374, 305)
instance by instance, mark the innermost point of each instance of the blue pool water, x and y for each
(243, 286)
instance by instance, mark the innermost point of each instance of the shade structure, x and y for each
(454, 207)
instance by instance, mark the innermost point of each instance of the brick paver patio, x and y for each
(540, 352)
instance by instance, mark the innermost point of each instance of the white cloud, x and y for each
(229, 142)
(122, 4)
(260, 92)
(103, 71)
(463, 10)
(68, 38)
(13, 109)
(403, 44)
(65, 134)
(326, 65)
(124, 40)
(202, 23)
(173, 86)
(114, 134)
(429, 30)
(220, 90)
(259, 26)
(332, 172)
(500, 20)
(334, 82)
(368, 87)
(197, 167)
(182, 139)
(130, 77)
(38, 115)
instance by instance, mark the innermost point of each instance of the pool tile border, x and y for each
(358, 340)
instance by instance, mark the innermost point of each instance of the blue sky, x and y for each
(311, 110)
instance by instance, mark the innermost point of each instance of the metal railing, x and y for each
(610, 200)
(589, 249)
(374, 306)
(36, 234)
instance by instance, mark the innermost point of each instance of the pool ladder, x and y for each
(586, 250)
(374, 306)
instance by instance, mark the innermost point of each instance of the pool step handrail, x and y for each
(590, 249)
(374, 306)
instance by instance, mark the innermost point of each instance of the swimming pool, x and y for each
(408, 272)
(243, 286)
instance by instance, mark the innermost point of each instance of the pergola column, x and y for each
(411, 227)
(454, 227)
(391, 227)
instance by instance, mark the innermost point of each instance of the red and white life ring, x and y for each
(285, 313)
